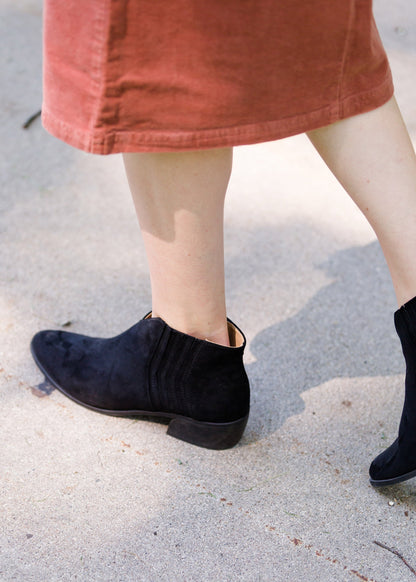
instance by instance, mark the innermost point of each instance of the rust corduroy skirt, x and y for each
(172, 75)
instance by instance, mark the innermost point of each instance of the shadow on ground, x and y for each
(345, 331)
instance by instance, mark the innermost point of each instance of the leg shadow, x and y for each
(346, 330)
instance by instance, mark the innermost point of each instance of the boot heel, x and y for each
(211, 435)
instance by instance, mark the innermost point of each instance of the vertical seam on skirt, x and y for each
(103, 24)
(345, 54)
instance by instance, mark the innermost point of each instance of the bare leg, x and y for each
(179, 200)
(373, 158)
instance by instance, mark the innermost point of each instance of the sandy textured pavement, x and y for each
(94, 498)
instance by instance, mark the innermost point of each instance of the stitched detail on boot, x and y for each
(152, 368)
(180, 370)
(185, 386)
(169, 369)
(165, 374)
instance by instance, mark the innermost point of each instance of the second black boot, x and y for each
(154, 370)
(398, 462)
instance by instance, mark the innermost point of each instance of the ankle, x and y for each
(219, 336)
(217, 332)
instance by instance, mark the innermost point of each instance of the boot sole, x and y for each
(209, 435)
(393, 480)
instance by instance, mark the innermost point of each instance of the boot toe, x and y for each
(59, 355)
(392, 466)
(377, 469)
(48, 351)
(103, 374)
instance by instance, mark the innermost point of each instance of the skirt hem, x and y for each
(104, 142)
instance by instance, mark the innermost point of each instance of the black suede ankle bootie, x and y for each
(154, 370)
(398, 462)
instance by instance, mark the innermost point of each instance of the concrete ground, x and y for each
(90, 497)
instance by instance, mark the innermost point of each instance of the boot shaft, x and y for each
(203, 380)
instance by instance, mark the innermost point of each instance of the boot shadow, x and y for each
(345, 331)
